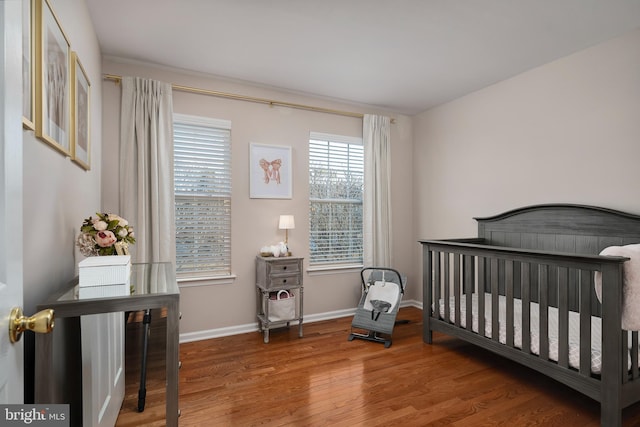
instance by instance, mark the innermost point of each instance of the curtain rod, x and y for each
(270, 102)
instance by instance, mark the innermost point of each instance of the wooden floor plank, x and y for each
(324, 380)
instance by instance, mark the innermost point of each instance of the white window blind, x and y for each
(336, 183)
(202, 176)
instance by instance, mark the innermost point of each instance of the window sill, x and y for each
(334, 269)
(206, 281)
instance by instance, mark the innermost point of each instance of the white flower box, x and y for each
(105, 271)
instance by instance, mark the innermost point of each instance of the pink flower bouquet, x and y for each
(104, 235)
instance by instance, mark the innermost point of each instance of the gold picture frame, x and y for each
(80, 114)
(53, 92)
(28, 75)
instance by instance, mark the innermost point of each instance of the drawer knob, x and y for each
(284, 281)
(284, 268)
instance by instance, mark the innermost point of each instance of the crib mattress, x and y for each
(574, 328)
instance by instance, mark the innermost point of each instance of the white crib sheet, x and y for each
(574, 329)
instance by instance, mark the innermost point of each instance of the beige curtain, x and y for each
(146, 168)
(376, 134)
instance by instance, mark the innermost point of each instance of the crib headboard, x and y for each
(567, 228)
(561, 227)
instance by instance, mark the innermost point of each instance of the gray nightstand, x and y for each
(272, 275)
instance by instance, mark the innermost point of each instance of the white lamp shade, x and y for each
(286, 222)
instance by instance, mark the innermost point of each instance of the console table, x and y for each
(153, 285)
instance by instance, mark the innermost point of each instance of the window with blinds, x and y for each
(202, 177)
(336, 184)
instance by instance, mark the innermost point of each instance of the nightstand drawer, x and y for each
(288, 266)
(283, 280)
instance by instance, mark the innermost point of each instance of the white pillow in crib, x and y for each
(630, 284)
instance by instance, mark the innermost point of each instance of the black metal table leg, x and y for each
(142, 392)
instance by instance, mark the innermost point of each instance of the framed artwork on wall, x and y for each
(28, 74)
(53, 54)
(270, 172)
(80, 113)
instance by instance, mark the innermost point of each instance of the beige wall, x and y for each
(254, 221)
(58, 194)
(568, 131)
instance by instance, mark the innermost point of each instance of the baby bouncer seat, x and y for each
(382, 290)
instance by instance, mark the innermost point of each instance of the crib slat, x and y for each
(516, 280)
(625, 354)
(552, 285)
(447, 288)
(574, 291)
(634, 355)
(525, 293)
(543, 280)
(468, 289)
(585, 321)
(482, 262)
(456, 286)
(563, 317)
(508, 277)
(495, 305)
(436, 283)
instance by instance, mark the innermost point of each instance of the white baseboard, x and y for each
(253, 327)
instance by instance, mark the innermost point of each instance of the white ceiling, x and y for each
(401, 55)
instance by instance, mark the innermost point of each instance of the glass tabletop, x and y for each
(146, 279)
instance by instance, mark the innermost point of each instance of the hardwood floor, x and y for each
(325, 380)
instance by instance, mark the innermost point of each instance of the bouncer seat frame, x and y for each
(382, 291)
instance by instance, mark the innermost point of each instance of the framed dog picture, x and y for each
(270, 172)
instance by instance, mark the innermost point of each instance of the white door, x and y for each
(11, 362)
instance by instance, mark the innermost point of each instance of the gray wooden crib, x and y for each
(531, 272)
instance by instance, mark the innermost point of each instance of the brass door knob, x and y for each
(41, 322)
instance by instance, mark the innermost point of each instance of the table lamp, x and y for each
(287, 223)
